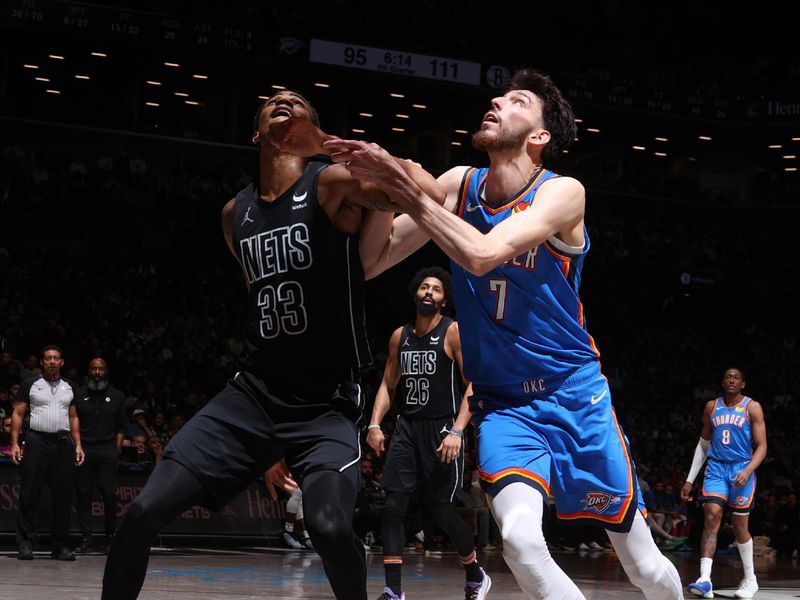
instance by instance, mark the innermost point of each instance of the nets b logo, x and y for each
(599, 501)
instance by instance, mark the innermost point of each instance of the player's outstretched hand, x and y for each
(449, 448)
(686, 492)
(278, 476)
(298, 136)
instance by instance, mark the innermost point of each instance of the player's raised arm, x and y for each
(402, 236)
(559, 207)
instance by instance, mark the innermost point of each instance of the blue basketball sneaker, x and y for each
(702, 588)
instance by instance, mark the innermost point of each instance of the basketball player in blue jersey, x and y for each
(734, 437)
(517, 241)
(423, 372)
(302, 237)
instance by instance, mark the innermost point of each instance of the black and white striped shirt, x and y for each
(49, 402)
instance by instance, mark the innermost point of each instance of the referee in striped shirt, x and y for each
(49, 453)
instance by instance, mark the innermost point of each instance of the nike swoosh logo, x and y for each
(435, 339)
(472, 207)
(300, 198)
(600, 397)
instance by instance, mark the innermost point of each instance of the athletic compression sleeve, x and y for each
(700, 453)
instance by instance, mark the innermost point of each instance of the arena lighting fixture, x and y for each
(100, 54)
(797, 139)
(592, 130)
(171, 64)
(789, 156)
(152, 104)
(152, 82)
(402, 116)
(464, 131)
(198, 76)
(82, 77)
(322, 85)
(455, 143)
(393, 95)
(278, 87)
(579, 120)
(418, 106)
(263, 97)
(660, 153)
(398, 129)
(53, 92)
(42, 79)
(791, 169)
(354, 130)
(182, 94)
(705, 138)
(55, 56)
(31, 66)
(366, 115)
(776, 146)
(565, 152)
(639, 148)
(661, 139)
(192, 102)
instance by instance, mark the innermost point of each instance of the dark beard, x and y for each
(507, 140)
(97, 385)
(427, 309)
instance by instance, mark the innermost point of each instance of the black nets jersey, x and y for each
(430, 381)
(305, 299)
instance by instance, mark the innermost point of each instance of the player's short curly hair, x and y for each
(557, 113)
(441, 274)
(744, 377)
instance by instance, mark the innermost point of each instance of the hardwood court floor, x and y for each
(253, 572)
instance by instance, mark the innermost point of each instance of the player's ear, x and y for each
(540, 137)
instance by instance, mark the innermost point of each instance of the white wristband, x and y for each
(373, 426)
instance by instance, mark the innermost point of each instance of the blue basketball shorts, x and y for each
(718, 486)
(565, 442)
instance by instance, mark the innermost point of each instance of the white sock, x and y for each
(646, 567)
(705, 568)
(746, 552)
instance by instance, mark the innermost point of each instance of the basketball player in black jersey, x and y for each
(426, 447)
(297, 234)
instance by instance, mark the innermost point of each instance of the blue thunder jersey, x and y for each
(521, 323)
(731, 435)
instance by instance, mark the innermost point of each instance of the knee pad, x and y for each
(294, 504)
(524, 542)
